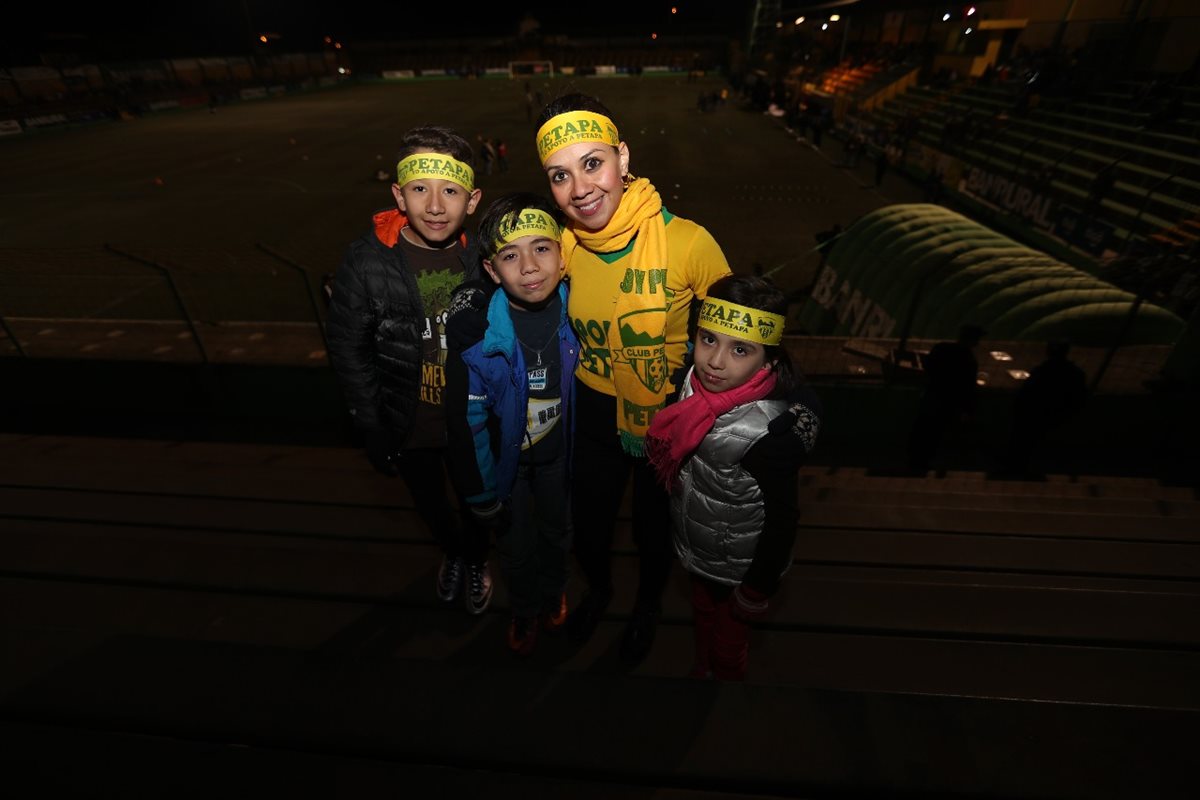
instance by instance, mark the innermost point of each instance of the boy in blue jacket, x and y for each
(512, 450)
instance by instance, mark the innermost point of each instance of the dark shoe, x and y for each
(638, 636)
(582, 622)
(522, 635)
(554, 620)
(479, 588)
(450, 579)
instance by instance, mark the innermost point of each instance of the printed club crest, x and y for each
(766, 328)
(643, 350)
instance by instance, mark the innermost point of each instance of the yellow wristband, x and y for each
(434, 166)
(741, 322)
(571, 127)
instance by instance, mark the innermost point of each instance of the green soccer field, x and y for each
(225, 201)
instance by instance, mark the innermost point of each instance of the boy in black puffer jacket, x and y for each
(387, 341)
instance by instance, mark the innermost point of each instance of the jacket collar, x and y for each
(500, 336)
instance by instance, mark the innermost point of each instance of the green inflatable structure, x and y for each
(923, 271)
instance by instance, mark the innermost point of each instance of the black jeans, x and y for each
(535, 542)
(599, 474)
(424, 472)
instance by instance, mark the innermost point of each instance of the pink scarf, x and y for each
(678, 429)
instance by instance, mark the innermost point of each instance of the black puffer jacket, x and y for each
(376, 319)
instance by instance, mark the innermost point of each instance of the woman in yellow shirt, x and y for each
(634, 270)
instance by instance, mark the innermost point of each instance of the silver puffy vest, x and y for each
(716, 505)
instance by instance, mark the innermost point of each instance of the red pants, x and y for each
(722, 640)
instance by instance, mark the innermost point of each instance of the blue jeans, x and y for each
(535, 542)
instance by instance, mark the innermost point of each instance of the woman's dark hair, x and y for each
(502, 212)
(575, 101)
(760, 293)
(439, 140)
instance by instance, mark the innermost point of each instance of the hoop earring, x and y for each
(627, 179)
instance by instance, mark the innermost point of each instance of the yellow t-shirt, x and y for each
(694, 261)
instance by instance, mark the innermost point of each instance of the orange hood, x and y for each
(388, 224)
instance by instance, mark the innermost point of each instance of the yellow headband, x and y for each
(572, 127)
(435, 166)
(741, 322)
(530, 222)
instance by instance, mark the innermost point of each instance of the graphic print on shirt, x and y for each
(644, 351)
(435, 288)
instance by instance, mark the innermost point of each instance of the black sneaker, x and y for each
(450, 579)
(479, 588)
(639, 636)
(582, 621)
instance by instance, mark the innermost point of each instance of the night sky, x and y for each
(122, 31)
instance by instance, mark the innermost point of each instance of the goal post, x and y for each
(531, 69)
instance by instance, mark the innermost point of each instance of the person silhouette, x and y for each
(1055, 391)
(950, 394)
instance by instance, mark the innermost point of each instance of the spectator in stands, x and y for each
(1054, 392)
(818, 127)
(389, 294)
(502, 155)
(732, 485)
(950, 395)
(1101, 185)
(935, 186)
(853, 147)
(882, 159)
(1043, 179)
(620, 242)
(797, 120)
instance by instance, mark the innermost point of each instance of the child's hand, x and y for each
(466, 317)
(748, 605)
(679, 375)
(381, 449)
(802, 418)
(488, 515)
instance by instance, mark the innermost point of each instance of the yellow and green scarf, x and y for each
(638, 343)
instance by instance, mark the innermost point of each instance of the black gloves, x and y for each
(466, 316)
(801, 419)
(381, 450)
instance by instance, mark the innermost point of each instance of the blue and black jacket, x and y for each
(485, 451)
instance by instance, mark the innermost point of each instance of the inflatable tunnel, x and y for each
(922, 271)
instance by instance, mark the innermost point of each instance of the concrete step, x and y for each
(179, 606)
(960, 497)
(1019, 522)
(1016, 553)
(657, 733)
(342, 476)
(975, 481)
(220, 570)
